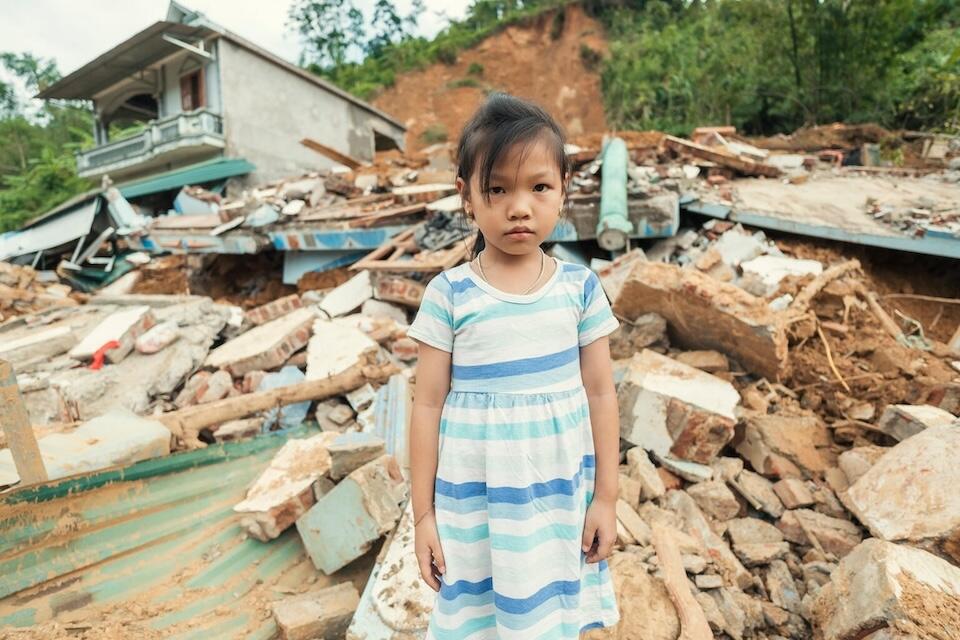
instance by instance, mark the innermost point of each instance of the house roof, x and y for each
(149, 47)
(199, 173)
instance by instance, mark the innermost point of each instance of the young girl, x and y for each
(515, 439)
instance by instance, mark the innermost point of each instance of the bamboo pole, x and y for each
(19, 433)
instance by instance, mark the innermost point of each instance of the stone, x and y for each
(693, 564)
(273, 310)
(670, 408)
(264, 347)
(334, 348)
(734, 619)
(881, 584)
(793, 493)
(689, 471)
(708, 581)
(192, 388)
(642, 470)
(216, 387)
(317, 615)
(238, 429)
(629, 490)
(945, 396)
(116, 438)
(752, 531)
(669, 480)
(785, 446)
(704, 313)
(286, 489)
(911, 493)
(761, 553)
(649, 330)
(762, 275)
(251, 380)
(714, 618)
(123, 326)
(715, 499)
(157, 337)
(835, 535)
(633, 523)
(709, 361)
(727, 468)
(352, 450)
(759, 492)
(348, 296)
(900, 421)
(345, 522)
(781, 587)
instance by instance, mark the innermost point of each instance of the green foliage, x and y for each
(463, 82)
(475, 69)
(434, 133)
(556, 26)
(591, 57)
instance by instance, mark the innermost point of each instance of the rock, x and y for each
(352, 450)
(669, 480)
(836, 480)
(633, 523)
(264, 347)
(782, 587)
(946, 396)
(785, 446)
(704, 313)
(334, 348)
(761, 553)
(348, 296)
(911, 493)
(709, 361)
(715, 499)
(381, 309)
(122, 326)
(714, 618)
(192, 388)
(759, 492)
(900, 421)
(708, 581)
(836, 536)
(693, 564)
(762, 275)
(629, 490)
(238, 429)
(157, 337)
(613, 274)
(689, 471)
(880, 584)
(317, 615)
(670, 408)
(286, 488)
(734, 619)
(752, 531)
(794, 493)
(216, 387)
(642, 470)
(345, 522)
(727, 469)
(649, 330)
(274, 309)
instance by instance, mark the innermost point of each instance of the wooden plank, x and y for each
(399, 254)
(737, 163)
(16, 425)
(333, 154)
(386, 214)
(693, 622)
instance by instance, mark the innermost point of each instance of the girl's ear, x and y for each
(464, 197)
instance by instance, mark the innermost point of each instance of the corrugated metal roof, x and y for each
(155, 544)
(216, 169)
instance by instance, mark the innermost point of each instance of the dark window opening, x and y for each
(191, 91)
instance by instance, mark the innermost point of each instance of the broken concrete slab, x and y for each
(715, 499)
(124, 327)
(352, 450)
(900, 421)
(117, 437)
(642, 470)
(670, 408)
(317, 615)
(857, 461)
(649, 330)
(45, 343)
(286, 489)
(785, 446)
(334, 348)
(758, 491)
(835, 535)
(274, 309)
(881, 584)
(704, 313)
(709, 361)
(762, 275)
(348, 296)
(689, 471)
(613, 274)
(910, 493)
(358, 511)
(756, 542)
(264, 347)
(794, 493)
(380, 309)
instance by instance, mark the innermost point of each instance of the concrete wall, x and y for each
(267, 110)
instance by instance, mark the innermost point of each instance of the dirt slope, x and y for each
(522, 59)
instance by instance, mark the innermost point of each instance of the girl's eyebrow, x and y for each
(537, 176)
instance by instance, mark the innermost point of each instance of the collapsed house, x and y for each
(210, 469)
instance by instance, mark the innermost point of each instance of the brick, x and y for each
(265, 347)
(318, 615)
(345, 522)
(273, 310)
(123, 326)
(672, 409)
(900, 421)
(786, 446)
(406, 349)
(350, 451)
(394, 288)
(192, 388)
(704, 313)
(633, 523)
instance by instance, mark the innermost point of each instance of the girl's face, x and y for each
(523, 204)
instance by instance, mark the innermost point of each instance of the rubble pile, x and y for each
(24, 290)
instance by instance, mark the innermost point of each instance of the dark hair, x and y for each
(501, 122)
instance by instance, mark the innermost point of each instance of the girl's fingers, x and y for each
(605, 545)
(438, 556)
(426, 570)
(589, 533)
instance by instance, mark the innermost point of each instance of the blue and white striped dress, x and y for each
(516, 460)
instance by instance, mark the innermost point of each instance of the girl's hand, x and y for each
(429, 553)
(599, 529)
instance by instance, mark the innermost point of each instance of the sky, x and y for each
(75, 32)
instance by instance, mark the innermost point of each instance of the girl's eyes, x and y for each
(496, 190)
(538, 187)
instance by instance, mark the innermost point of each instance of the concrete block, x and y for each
(786, 446)
(704, 313)
(880, 584)
(672, 409)
(344, 523)
(116, 438)
(793, 493)
(835, 535)
(123, 326)
(911, 493)
(762, 275)
(317, 615)
(900, 421)
(613, 274)
(715, 499)
(273, 310)
(352, 450)
(348, 296)
(285, 489)
(334, 348)
(265, 347)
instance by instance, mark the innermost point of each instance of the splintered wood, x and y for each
(402, 254)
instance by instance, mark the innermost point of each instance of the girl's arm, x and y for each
(597, 374)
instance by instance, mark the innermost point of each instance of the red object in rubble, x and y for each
(101, 353)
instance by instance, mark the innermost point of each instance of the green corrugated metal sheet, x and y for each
(199, 173)
(156, 545)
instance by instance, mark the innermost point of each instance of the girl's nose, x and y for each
(519, 209)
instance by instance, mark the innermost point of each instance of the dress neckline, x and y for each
(520, 298)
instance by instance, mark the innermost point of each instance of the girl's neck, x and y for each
(516, 274)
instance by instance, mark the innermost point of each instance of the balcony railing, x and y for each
(196, 128)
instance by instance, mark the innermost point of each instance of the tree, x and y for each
(330, 29)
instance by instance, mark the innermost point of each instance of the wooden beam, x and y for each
(743, 165)
(16, 426)
(333, 154)
(693, 622)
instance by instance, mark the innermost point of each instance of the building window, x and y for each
(191, 91)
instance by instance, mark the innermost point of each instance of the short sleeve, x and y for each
(596, 318)
(434, 322)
